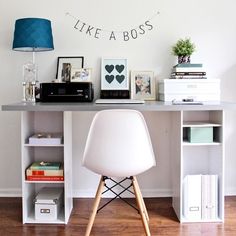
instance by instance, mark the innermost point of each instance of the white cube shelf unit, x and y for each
(46, 122)
(197, 158)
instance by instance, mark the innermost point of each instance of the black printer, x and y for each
(66, 92)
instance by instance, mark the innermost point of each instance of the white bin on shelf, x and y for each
(48, 203)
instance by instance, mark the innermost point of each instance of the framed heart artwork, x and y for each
(114, 74)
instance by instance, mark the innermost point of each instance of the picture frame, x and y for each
(143, 85)
(81, 75)
(114, 74)
(64, 66)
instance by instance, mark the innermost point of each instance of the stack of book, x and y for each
(188, 71)
(45, 171)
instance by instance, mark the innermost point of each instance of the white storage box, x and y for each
(192, 197)
(48, 203)
(197, 89)
(45, 139)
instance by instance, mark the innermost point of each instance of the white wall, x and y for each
(210, 24)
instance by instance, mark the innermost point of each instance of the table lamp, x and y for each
(32, 35)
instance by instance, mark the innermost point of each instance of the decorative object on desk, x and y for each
(188, 71)
(183, 49)
(143, 85)
(114, 74)
(32, 35)
(65, 65)
(81, 75)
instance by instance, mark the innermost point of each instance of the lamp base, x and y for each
(29, 83)
(29, 92)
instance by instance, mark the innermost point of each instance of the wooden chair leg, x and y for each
(95, 206)
(140, 194)
(141, 207)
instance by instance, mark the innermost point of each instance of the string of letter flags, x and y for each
(113, 35)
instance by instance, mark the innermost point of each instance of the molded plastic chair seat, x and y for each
(119, 145)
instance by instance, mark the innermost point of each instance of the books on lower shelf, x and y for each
(45, 165)
(45, 171)
(200, 197)
(44, 178)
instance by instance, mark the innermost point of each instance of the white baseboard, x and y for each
(11, 192)
(230, 192)
(90, 193)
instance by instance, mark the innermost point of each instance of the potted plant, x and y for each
(183, 49)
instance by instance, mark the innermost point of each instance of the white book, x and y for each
(192, 197)
(188, 69)
(209, 197)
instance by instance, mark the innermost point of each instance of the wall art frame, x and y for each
(81, 75)
(143, 85)
(114, 74)
(64, 66)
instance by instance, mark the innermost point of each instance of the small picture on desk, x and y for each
(65, 65)
(143, 85)
(81, 75)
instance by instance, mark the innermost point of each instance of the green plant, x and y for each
(183, 47)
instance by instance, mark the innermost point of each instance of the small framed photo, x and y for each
(114, 74)
(65, 65)
(143, 85)
(81, 75)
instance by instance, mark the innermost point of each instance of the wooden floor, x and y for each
(116, 219)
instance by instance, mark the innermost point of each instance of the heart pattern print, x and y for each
(114, 73)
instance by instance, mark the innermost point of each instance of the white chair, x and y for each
(119, 145)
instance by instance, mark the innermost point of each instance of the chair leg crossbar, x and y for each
(141, 205)
(117, 195)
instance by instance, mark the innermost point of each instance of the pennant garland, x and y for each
(113, 35)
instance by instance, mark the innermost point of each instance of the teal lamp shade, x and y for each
(33, 35)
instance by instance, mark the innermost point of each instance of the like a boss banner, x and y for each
(113, 35)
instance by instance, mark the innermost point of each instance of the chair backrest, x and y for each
(118, 144)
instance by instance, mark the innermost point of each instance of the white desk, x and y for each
(187, 158)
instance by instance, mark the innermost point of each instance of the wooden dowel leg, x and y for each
(140, 206)
(141, 197)
(95, 206)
